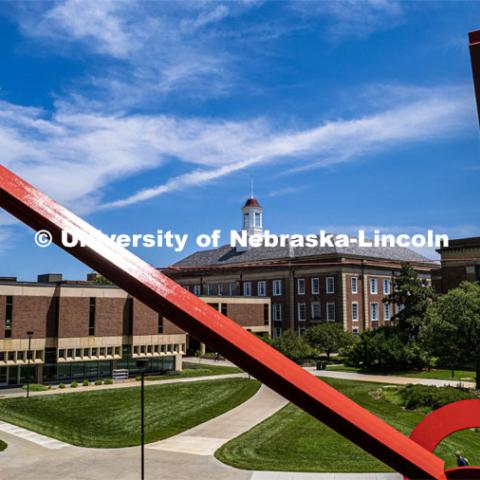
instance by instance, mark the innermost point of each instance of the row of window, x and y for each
(88, 353)
(21, 356)
(218, 289)
(148, 350)
(315, 311)
(374, 312)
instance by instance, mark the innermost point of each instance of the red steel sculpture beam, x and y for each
(474, 38)
(219, 332)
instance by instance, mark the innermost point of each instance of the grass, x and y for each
(111, 418)
(196, 370)
(3, 445)
(292, 440)
(440, 374)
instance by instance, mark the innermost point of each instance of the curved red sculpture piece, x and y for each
(443, 422)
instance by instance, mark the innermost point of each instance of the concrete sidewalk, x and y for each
(207, 437)
(19, 393)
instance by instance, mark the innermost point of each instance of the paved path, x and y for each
(18, 392)
(204, 439)
(392, 379)
(42, 440)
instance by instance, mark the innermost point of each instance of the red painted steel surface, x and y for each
(219, 332)
(443, 422)
(474, 38)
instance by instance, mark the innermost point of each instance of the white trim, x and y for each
(276, 288)
(327, 282)
(301, 282)
(329, 318)
(353, 316)
(315, 291)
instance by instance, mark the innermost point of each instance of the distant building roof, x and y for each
(252, 202)
(227, 255)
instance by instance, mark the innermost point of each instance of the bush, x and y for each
(74, 384)
(85, 383)
(98, 382)
(36, 387)
(293, 346)
(62, 385)
(383, 348)
(417, 396)
(108, 381)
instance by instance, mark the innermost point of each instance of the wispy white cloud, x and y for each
(352, 18)
(436, 116)
(76, 155)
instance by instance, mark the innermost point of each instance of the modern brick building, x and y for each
(460, 261)
(84, 330)
(306, 285)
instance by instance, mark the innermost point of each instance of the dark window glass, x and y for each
(265, 313)
(224, 309)
(160, 324)
(8, 316)
(91, 317)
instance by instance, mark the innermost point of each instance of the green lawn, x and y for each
(440, 374)
(292, 440)
(3, 445)
(111, 418)
(196, 370)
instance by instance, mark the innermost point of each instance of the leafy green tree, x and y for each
(414, 295)
(453, 326)
(292, 345)
(384, 349)
(328, 338)
(101, 280)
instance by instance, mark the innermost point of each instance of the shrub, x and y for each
(417, 396)
(98, 382)
(36, 387)
(62, 385)
(74, 384)
(85, 383)
(108, 381)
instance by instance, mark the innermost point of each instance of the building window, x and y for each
(91, 316)
(374, 311)
(8, 316)
(354, 312)
(210, 291)
(266, 311)
(301, 331)
(330, 284)
(387, 312)
(315, 310)
(354, 284)
(246, 219)
(330, 312)
(160, 325)
(301, 312)
(301, 286)
(277, 332)
(247, 289)
(232, 286)
(258, 219)
(373, 286)
(277, 312)
(386, 286)
(223, 309)
(315, 286)
(220, 289)
(262, 289)
(197, 290)
(277, 287)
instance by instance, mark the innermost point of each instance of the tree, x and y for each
(414, 295)
(328, 338)
(292, 345)
(101, 280)
(454, 321)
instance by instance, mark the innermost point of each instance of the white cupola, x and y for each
(252, 217)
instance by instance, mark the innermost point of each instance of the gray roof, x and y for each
(227, 255)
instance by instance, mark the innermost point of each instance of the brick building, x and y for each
(84, 330)
(460, 261)
(306, 285)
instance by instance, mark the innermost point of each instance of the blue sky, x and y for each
(142, 116)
